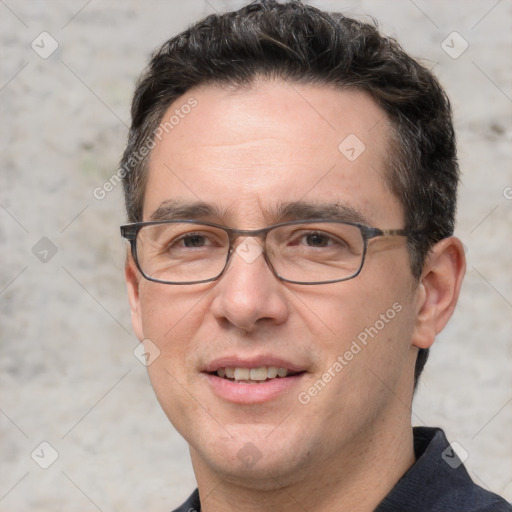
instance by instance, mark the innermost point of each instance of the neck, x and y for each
(356, 479)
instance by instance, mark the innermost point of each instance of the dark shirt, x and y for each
(437, 482)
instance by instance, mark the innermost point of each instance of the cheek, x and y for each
(343, 311)
(171, 318)
(365, 362)
(170, 312)
(170, 386)
(367, 332)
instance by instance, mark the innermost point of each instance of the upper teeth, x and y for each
(260, 373)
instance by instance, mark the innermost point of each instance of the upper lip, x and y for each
(252, 362)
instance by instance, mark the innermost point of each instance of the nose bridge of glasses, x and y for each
(235, 233)
(245, 243)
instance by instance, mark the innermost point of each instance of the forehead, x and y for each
(246, 150)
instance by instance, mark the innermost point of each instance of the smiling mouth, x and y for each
(255, 375)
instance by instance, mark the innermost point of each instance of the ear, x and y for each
(132, 276)
(438, 291)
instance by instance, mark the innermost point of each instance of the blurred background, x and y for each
(80, 426)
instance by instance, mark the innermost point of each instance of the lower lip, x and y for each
(243, 393)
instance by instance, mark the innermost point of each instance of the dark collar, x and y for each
(438, 481)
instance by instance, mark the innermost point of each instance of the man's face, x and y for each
(245, 154)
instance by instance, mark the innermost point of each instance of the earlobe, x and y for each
(438, 290)
(132, 283)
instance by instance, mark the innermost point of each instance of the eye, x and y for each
(316, 239)
(193, 240)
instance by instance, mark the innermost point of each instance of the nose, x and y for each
(248, 294)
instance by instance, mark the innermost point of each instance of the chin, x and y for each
(253, 457)
(261, 471)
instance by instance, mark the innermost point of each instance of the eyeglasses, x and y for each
(302, 252)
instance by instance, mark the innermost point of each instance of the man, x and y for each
(290, 182)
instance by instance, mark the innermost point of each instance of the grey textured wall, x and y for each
(68, 374)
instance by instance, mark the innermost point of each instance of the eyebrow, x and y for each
(296, 210)
(170, 210)
(282, 212)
